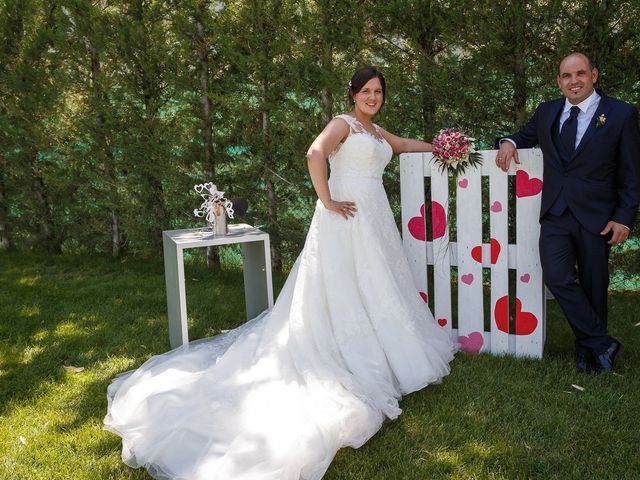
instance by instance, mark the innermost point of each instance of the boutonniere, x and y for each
(601, 120)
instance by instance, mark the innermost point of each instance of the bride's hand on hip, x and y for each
(346, 209)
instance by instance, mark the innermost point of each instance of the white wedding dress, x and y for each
(278, 396)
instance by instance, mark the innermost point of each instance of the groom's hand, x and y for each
(619, 232)
(506, 153)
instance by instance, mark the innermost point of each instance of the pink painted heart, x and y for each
(501, 314)
(439, 220)
(525, 186)
(467, 278)
(526, 322)
(416, 226)
(464, 183)
(442, 322)
(424, 297)
(496, 207)
(525, 278)
(471, 343)
(476, 252)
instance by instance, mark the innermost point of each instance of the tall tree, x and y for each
(144, 70)
(88, 39)
(201, 31)
(32, 84)
(12, 32)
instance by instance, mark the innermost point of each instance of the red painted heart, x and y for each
(467, 278)
(501, 314)
(526, 322)
(496, 207)
(442, 322)
(525, 278)
(525, 186)
(471, 343)
(464, 183)
(424, 297)
(416, 226)
(439, 220)
(476, 252)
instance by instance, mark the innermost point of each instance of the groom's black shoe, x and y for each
(585, 363)
(607, 360)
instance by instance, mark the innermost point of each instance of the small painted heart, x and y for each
(467, 278)
(471, 343)
(424, 297)
(442, 322)
(496, 207)
(464, 183)
(525, 278)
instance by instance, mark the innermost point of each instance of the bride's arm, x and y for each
(325, 143)
(402, 145)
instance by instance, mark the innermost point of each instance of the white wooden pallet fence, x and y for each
(470, 255)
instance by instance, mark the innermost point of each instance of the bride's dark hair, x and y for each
(360, 78)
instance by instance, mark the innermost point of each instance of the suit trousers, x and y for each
(575, 266)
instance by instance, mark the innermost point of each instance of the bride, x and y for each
(349, 334)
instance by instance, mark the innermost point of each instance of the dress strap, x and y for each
(347, 118)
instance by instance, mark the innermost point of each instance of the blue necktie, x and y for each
(569, 130)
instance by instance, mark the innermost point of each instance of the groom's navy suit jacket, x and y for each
(601, 180)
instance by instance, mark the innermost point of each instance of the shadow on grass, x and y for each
(70, 311)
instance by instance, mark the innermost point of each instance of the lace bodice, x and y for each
(362, 154)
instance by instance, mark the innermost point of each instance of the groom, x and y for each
(591, 190)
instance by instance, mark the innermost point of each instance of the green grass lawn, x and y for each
(492, 418)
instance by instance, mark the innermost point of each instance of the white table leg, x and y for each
(176, 296)
(258, 289)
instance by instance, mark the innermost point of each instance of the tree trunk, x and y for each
(326, 64)
(5, 233)
(426, 42)
(44, 218)
(518, 58)
(272, 197)
(103, 145)
(213, 258)
(148, 81)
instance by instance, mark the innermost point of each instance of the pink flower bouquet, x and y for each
(455, 151)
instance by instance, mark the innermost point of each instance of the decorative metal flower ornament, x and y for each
(214, 203)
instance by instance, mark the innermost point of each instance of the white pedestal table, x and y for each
(256, 262)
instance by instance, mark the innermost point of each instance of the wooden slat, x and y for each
(469, 240)
(498, 223)
(441, 261)
(529, 287)
(413, 200)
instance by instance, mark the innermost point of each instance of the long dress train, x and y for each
(278, 396)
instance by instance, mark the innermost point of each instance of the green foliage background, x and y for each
(111, 110)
